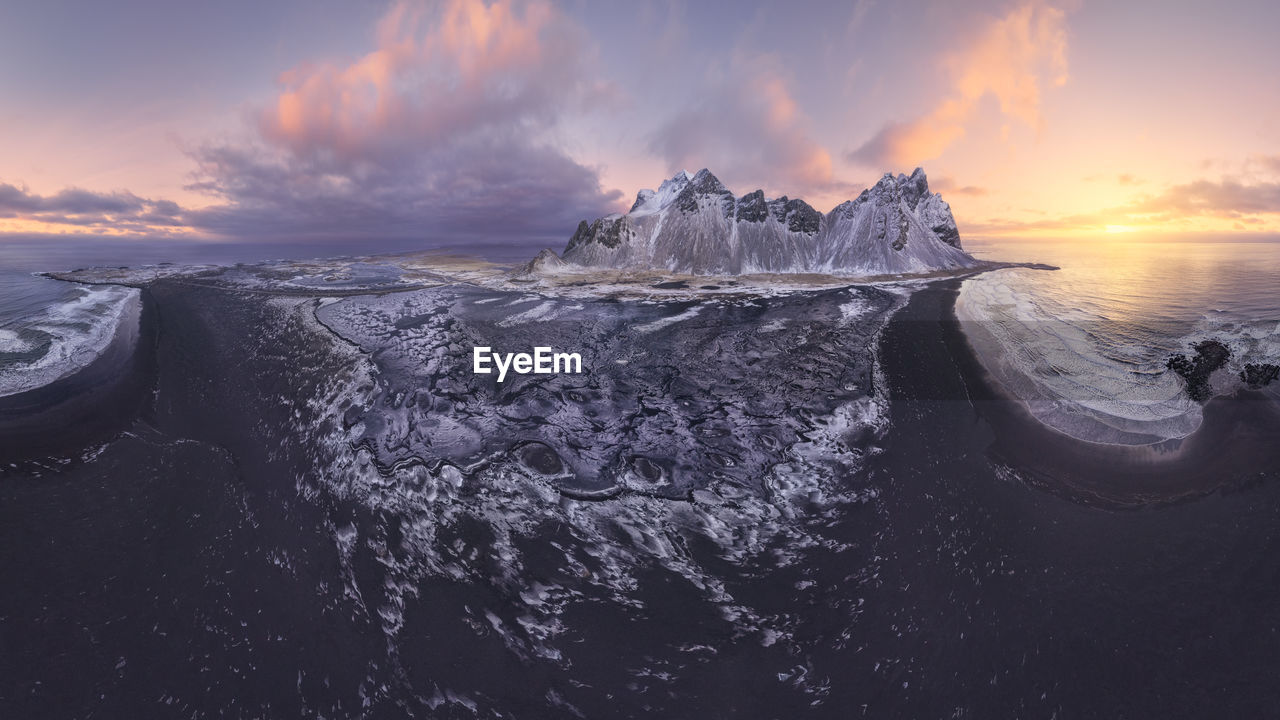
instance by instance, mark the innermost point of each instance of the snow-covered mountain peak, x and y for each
(649, 202)
(696, 225)
(914, 188)
(705, 189)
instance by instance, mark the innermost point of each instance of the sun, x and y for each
(1120, 229)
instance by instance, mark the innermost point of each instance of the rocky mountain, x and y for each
(696, 225)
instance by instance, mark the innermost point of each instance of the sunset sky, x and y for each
(467, 119)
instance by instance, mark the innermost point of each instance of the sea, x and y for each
(1086, 346)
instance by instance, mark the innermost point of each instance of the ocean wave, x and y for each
(63, 338)
(1075, 369)
(1087, 361)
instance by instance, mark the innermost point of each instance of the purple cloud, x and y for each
(84, 208)
(447, 129)
(748, 128)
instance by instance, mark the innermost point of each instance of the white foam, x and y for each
(77, 332)
(542, 312)
(10, 342)
(855, 309)
(1051, 358)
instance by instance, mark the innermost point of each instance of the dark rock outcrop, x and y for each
(608, 231)
(1210, 355)
(752, 207)
(1259, 375)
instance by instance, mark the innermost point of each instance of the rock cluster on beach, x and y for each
(1258, 375)
(1210, 355)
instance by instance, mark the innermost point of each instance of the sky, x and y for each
(475, 120)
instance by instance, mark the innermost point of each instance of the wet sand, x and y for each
(1085, 590)
(174, 572)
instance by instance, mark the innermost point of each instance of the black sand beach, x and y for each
(181, 573)
(1236, 444)
(1022, 602)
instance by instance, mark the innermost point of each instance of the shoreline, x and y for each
(1232, 447)
(97, 401)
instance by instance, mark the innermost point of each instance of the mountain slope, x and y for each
(696, 225)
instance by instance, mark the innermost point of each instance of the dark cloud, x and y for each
(84, 208)
(479, 187)
(447, 129)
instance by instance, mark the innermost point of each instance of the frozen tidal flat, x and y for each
(722, 419)
(717, 424)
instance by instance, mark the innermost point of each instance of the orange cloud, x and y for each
(449, 125)
(1199, 205)
(434, 72)
(948, 185)
(1011, 58)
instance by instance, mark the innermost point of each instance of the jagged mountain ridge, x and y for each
(696, 225)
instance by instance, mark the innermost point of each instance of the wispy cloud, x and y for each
(748, 127)
(1121, 179)
(1269, 164)
(1225, 198)
(1233, 201)
(945, 184)
(1011, 59)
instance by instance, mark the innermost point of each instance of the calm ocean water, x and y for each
(1085, 346)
